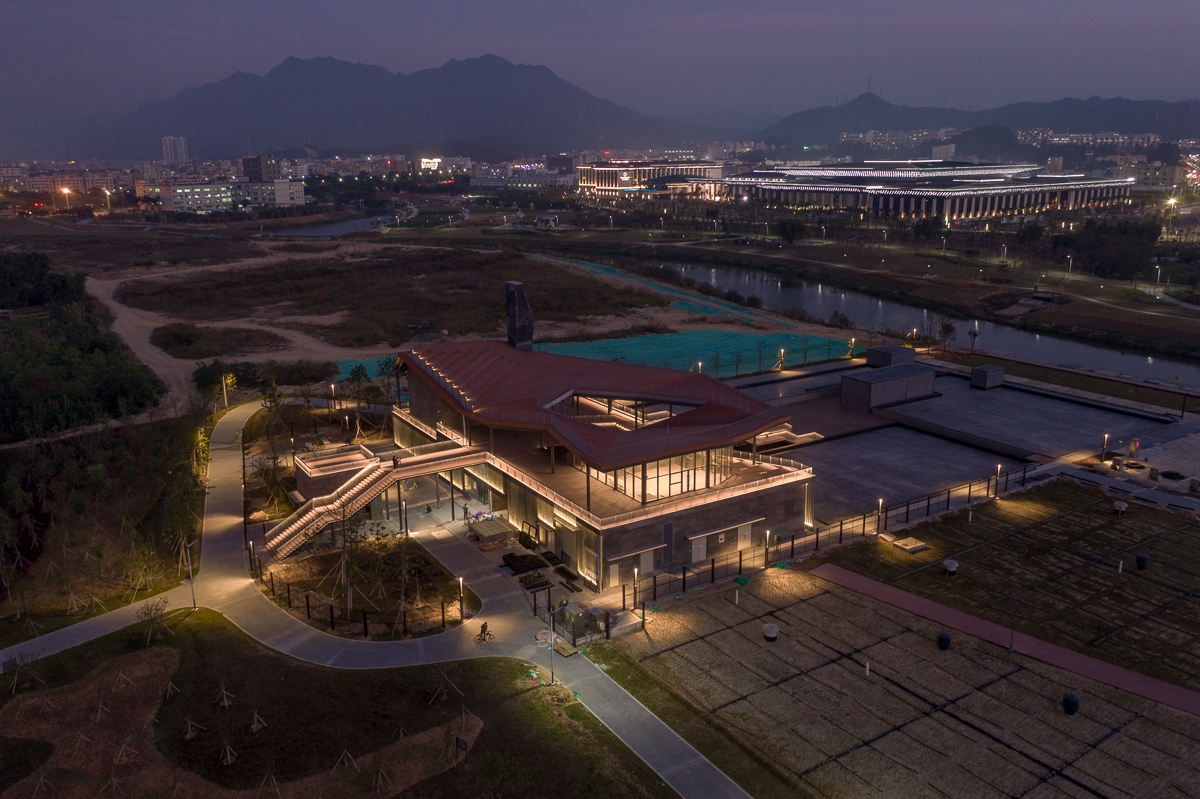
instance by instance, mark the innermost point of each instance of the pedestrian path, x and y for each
(1061, 657)
(223, 584)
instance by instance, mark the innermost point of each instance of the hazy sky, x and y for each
(62, 59)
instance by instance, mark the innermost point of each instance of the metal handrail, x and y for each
(662, 393)
(407, 417)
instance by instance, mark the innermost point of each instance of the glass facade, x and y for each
(671, 477)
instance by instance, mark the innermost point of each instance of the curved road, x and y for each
(223, 584)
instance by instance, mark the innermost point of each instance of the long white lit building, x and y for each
(915, 189)
(616, 179)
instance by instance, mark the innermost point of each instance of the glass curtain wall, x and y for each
(671, 477)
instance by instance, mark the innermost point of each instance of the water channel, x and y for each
(874, 314)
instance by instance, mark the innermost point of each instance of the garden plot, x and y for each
(1058, 564)
(972, 721)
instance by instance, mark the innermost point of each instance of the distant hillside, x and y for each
(729, 121)
(1179, 120)
(484, 101)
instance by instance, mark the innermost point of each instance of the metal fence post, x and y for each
(740, 551)
(307, 609)
(683, 576)
(793, 553)
(841, 529)
(712, 571)
(907, 509)
(289, 593)
(653, 587)
(365, 625)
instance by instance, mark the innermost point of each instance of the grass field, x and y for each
(526, 740)
(388, 296)
(1068, 562)
(972, 721)
(1096, 385)
(184, 340)
(96, 249)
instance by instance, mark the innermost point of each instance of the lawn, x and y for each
(1058, 377)
(1058, 551)
(524, 739)
(389, 295)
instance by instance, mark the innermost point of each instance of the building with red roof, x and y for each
(610, 466)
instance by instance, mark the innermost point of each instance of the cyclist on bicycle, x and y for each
(483, 633)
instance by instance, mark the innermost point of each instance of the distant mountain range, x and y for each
(1178, 120)
(490, 108)
(485, 102)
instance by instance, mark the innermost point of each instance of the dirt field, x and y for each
(972, 721)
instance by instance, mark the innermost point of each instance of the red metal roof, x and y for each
(494, 384)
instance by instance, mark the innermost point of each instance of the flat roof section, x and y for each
(1046, 425)
(895, 463)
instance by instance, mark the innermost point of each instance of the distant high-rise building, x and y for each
(261, 168)
(944, 152)
(174, 150)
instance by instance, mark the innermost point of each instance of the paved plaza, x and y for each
(855, 699)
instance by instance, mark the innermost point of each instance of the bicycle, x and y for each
(485, 638)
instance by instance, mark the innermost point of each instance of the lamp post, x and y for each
(67, 193)
(1005, 258)
(191, 579)
(700, 367)
(461, 614)
(997, 479)
(1104, 449)
(1068, 264)
(851, 353)
(879, 516)
(108, 199)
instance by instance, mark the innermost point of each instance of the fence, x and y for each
(675, 581)
(319, 609)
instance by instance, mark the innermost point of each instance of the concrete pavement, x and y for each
(223, 584)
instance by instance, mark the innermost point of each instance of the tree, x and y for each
(946, 330)
(792, 229)
(1030, 233)
(928, 227)
(153, 614)
(973, 334)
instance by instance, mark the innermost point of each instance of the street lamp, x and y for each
(67, 193)
(108, 199)
(191, 579)
(1104, 449)
(943, 245)
(1068, 264)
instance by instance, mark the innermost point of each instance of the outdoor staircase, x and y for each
(310, 518)
(368, 483)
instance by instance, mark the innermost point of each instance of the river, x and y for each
(335, 229)
(872, 314)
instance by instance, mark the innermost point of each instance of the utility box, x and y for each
(863, 391)
(987, 376)
(890, 355)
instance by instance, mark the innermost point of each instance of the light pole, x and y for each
(997, 480)
(108, 200)
(1005, 258)
(1104, 449)
(191, 579)
(1068, 264)
(851, 353)
(67, 193)
(461, 616)
(943, 245)
(822, 233)
(1157, 275)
